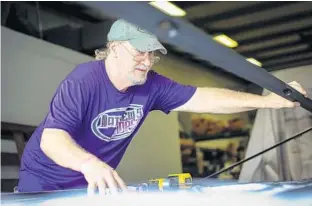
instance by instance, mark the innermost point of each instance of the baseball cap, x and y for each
(139, 38)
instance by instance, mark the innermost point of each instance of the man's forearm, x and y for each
(62, 149)
(229, 101)
(222, 101)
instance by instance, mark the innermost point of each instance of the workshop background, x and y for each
(41, 42)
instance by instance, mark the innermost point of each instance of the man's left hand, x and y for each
(275, 101)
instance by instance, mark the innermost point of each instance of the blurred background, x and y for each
(41, 42)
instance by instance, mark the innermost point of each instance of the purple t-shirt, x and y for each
(99, 118)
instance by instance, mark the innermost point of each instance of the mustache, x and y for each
(141, 66)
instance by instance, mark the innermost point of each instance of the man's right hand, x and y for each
(101, 176)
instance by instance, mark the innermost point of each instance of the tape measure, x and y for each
(172, 182)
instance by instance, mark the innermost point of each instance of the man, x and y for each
(100, 105)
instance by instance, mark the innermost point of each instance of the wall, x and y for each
(301, 74)
(32, 69)
(186, 73)
(266, 167)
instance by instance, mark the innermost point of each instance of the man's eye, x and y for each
(137, 52)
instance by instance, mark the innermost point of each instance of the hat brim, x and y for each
(147, 45)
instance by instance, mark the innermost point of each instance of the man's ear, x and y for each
(114, 48)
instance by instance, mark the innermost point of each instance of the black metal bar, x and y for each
(256, 155)
(299, 52)
(267, 23)
(178, 32)
(67, 9)
(9, 159)
(255, 52)
(276, 35)
(295, 63)
(239, 12)
(284, 59)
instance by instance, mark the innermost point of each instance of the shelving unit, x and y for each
(13, 140)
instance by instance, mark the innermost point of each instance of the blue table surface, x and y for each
(292, 191)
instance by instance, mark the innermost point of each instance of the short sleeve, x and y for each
(169, 94)
(68, 106)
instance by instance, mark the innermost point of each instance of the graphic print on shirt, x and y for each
(117, 123)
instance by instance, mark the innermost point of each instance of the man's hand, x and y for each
(101, 176)
(275, 101)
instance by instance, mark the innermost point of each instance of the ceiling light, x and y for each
(225, 40)
(168, 8)
(254, 61)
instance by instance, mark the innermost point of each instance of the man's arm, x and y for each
(63, 150)
(68, 108)
(58, 145)
(223, 101)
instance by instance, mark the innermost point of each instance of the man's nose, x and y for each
(147, 60)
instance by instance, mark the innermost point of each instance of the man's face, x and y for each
(134, 65)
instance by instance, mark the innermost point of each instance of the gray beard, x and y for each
(135, 82)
